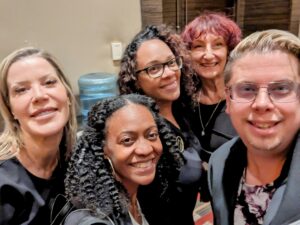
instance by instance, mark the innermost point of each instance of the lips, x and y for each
(264, 125)
(144, 164)
(209, 64)
(43, 112)
(170, 86)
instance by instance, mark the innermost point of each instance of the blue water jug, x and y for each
(93, 87)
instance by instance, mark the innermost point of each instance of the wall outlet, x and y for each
(116, 50)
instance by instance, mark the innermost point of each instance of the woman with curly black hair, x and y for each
(119, 150)
(157, 64)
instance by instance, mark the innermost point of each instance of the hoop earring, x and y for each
(111, 166)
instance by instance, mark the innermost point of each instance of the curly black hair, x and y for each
(89, 180)
(127, 76)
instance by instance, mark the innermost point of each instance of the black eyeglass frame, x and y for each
(179, 62)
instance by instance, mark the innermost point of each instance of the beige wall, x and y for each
(77, 32)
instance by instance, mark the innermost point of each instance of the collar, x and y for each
(236, 163)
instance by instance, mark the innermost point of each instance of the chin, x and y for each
(146, 181)
(48, 129)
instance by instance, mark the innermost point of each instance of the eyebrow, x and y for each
(155, 62)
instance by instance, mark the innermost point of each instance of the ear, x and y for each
(137, 84)
(14, 116)
(228, 103)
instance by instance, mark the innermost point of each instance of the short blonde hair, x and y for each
(264, 42)
(10, 139)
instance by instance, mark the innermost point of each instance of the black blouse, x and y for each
(25, 198)
(182, 196)
(218, 130)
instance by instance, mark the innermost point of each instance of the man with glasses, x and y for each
(255, 178)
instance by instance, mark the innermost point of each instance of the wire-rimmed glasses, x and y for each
(281, 92)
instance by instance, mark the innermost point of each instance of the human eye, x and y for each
(127, 141)
(153, 135)
(152, 70)
(280, 89)
(172, 63)
(19, 90)
(245, 90)
(197, 46)
(219, 44)
(247, 87)
(50, 82)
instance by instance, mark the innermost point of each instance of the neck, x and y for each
(263, 169)
(134, 209)
(40, 155)
(165, 109)
(212, 91)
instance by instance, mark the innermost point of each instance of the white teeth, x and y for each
(143, 164)
(263, 126)
(209, 64)
(44, 113)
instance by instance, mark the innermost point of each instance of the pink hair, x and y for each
(214, 23)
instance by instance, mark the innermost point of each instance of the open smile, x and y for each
(144, 164)
(43, 112)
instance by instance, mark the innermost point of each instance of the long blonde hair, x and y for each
(10, 139)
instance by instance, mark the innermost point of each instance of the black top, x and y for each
(218, 130)
(177, 208)
(25, 198)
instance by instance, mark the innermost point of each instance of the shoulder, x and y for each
(84, 217)
(222, 152)
(14, 178)
(10, 170)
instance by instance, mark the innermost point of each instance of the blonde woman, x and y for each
(38, 108)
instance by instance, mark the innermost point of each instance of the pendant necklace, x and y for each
(211, 116)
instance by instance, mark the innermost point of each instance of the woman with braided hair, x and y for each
(120, 149)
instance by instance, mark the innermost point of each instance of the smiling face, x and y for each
(133, 145)
(37, 98)
(165, 88)
(209, 55)
(263, 125)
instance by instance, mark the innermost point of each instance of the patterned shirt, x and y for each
(252, 203)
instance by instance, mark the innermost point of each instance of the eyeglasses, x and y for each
(157, 70)
(282, 92)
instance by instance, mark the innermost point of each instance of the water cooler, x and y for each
(93, 87)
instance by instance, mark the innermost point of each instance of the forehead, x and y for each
(152, 50)
(265, 67)
(209, 37)
(31, 64)
(131, 117)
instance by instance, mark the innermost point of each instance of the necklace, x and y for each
(211, 116)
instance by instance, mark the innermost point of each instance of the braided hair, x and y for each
(90, 182)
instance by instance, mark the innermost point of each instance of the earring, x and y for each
(111, 166)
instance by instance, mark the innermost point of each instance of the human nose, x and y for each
(262, 99)
(38, 93)
(208, 52)
(144, 147)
